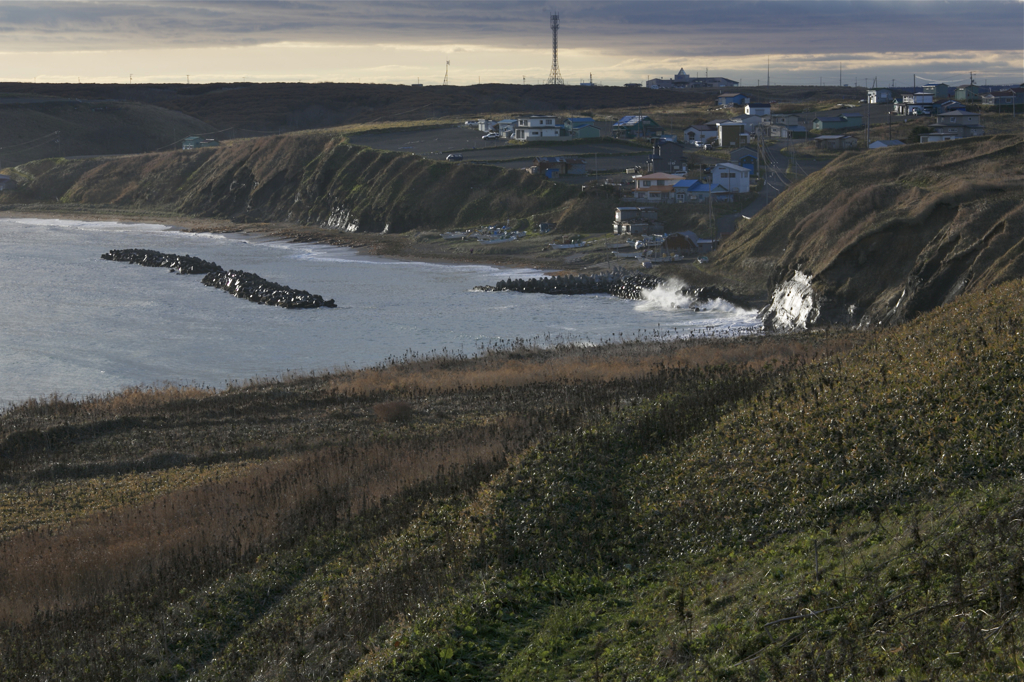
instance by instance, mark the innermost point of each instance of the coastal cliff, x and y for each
(305, 179)
(879, 237)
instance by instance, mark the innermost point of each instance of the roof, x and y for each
(660, 176)
(763, 105)
(731, 94)
(886, 143)
(698, 186)
(731, 166)
(831, 137)
(632, 120)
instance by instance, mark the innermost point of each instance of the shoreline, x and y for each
(532, 252)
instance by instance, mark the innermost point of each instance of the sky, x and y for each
(790, 42)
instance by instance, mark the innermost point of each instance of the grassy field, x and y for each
(839, 505)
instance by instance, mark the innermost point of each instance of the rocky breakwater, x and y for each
(254, 288)
(623, 285)
(183, 265)
(236, 282)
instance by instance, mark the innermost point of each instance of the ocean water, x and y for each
(74, 325)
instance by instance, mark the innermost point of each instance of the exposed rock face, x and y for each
(239, 284)
(254, 288)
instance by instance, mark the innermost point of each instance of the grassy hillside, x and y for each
(303, 178)
(893, 232)
(46, 128)
(815, 506)
(260, 108)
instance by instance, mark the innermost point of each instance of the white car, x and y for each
(490, 136)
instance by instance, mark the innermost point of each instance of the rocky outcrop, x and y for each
(236, 282)
(183, 265)
(254, 288)
(616, 283)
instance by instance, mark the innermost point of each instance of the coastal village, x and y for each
(723, 160)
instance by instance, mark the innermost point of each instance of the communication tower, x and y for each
(446, 65)
(555, 77)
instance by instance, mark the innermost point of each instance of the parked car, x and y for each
(453, 157)
(490, 136)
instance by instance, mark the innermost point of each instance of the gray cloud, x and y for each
(798, 34)
(678, 27)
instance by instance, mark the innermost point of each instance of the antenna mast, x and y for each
(555, 77)
(446, 64)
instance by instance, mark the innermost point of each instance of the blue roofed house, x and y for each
(732, 99)
(694, 191)
(744, 156)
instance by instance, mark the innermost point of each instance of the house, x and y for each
(196, 142)
(695, 191)
(631, 127)
(954, 125)
(835, 142)
(7, 183)
(938, 90)
(750, 123)
(655, 187)
(884, 144)
(700, 134)
(787, 119)
(795, 132)
(667, 157)
(636, 220)
(732, 177)
(1004, 98)
(486, 125)
(967, 93)
(534, 128)
(732, 99)
(849, 121)
(745, 157)
(914, 104)
(757, 109)
(880, 96)
(729, 133)
(507, 128)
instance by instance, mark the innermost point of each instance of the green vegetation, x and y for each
(840, 505)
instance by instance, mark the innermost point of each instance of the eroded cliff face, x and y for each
(881, 237)
(306, 179)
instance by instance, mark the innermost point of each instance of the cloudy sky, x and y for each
(392, 41)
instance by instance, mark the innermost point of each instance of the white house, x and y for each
(732, 177)
(880, 96)
(914, 104)
(655, 187)
(700, 134)
(531, 128)
(757, 109)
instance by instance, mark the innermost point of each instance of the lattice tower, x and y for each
(555, 77)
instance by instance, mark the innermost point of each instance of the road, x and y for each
(436, 143)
